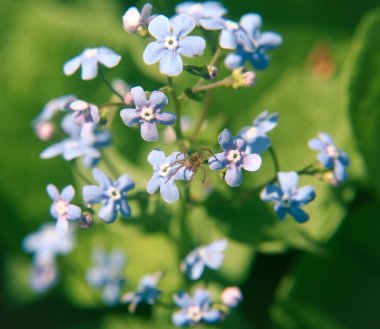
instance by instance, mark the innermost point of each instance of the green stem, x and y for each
(274, 159)
(216, 56)
(206, 107)
(222, 83)
(79, 173)
(109, 85)
(177, 108)
(110, 166)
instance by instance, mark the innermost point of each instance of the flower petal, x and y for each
(233, 176)
(158, 99)
(227, 39)
(68, 193)
(226, 140)
(219, 162)
(304, 195)
(153, 52)
(124, 208)
(149, 131)
(280, 210)
(72, 65)
(159, 27)
(234, 60)
(213, 23)
(169, 192)
(298, 214)
(252, 162)
(62, 226)
(156, 157)
(154, 183)
(288, 182)
(181, 319)
(139, 97)
(251, 23)
(101, 178)
(93, 193)
(271, 193)
(211, 316)
(125, 183)
(73, 212)
(316, 144)
(182, 25)
(192, 46)
(269, 40)
(53, 192)
(130, 117)
(171, 64)
(166, 118)
(108, 57)
(52, 151)
(108, 213)
(89, 68)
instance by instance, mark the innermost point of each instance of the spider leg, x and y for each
(209, 151)
(175, 171)
(191, 178)
(204, 174)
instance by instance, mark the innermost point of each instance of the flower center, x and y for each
(114, 193)
(251, 132)
(286, 200)
(61, 208)
(171, 43)
(194, 313)
(234, 156)
(90, 53)
(230, 25)
(147, 113)
(164, 170)
(202, 252)
(332, 151)
(71, 145)
(79, 105)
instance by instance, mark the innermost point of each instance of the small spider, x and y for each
(191, 162)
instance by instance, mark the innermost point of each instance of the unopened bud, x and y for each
(45, 130)
(249, 78)
(231, 296)
(131, 20)
(212, 71)
(86, 220)
(329, 177)
(128, 98)
(241, 78)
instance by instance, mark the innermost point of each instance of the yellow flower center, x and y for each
(147, 113)
(194, 313)
(61, 208)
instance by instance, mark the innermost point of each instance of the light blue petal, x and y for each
(213, 23)
(259, 145)
(240, 143)
(70, 153)
(304, 195)
(288, 182)
(340, 171)
(214, 260)
(124, 208)
(234, 60)
(89, 69)
(227, 39)
(131, 117)
(219, 245)
(125, 183)
(195, 271)
(316, 144)
(62, 225)
(159, 27)
(139, 97)
(101, 178)
(326, 138)
(202, 297)
(226, 140)
(251, 23)
(181, 319)
(219, 162)
(108, 213)
(233, 176)
(166, 118)
(111, 293)
(280, 211)
(72, 65)
(344, 159)
(158, 99)
(169, 192)
(298, 214)
(93, 193)
(68, 193)
(211, 316)
(108, 57)
(192, 46)
(156, 157)
(154, 183)
(171, 64)
(53, 192)
(325, 159)
(149, 131)
(73, 212)
(182, 25)
(271, 193)
(153, 52)
(52, 151)
(269, 40)
(182, 299)
(252, 162)
(265, 122)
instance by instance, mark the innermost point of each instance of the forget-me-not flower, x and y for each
(85, 115)
(172, 43)
(166, 170)
(111, 194)
(199, 10)
(147, 113)
(234, 158)
(43, 276)
(147, 292)
(89, 60)
(62, 209)
(196, 309)
(287, 198)
(211, 256)
(252, 45)
(256, 134)
(133, 20)
(231, 296)
(107, 274)
(330, 156)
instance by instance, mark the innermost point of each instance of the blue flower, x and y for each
(252, 45)
(210, 256)
(330, 156)
(89, 60)
(234, 158)
(107, 274)
(147, 113)
(256, 134)
(195, 310)
(62, 209)
(172, 42)
(111, 194)
(197, 10)
(43, 276)
(287, 198)
(166, 170)
(146, 291)
(47, 243)
(85, 115)
(133, 20)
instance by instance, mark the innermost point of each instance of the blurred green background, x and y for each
(325, 77)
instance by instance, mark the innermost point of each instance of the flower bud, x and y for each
(45, 130)
(131, 20)
(86, 220)
(212, 71)
(128, 98)
(249, 78)
(242, 78)
(231, 296)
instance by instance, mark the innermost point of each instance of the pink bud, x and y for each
(128, 98)
(45, 130)
(231, 296)
(86, 220)
(249, 78)
(131, 20)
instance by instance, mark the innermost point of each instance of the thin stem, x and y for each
(109, 85)
(177, 108)
(79, 173)
(221, 83)
(206, 107)
(110, 166)
(216, 56)
(274, 159)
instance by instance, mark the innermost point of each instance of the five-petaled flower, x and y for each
(172, 42)
(147, 291)
(166, 170)
(287, 198)
(330, 156)
(210, 256)
(111, 194)
(62, 209)
(234, 158)
(89, 60)
(197, 10)
(107, 274)
(197, 309)
(147, 113)
(251, 44)
(256, 134)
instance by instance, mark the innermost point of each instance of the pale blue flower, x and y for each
(43, 276)
(89, 60)
(256, 134)
(199, 10)
(61, 209)
(147, 113)
(172, 43)
(86, 115)
(111, 194)
(252, 45)
(133, 20)
(234, 158)
(287, 198)
(147, 291)
(107, 274)
(330, 156)
(210, 256)
(195, 310)
(166, 170)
